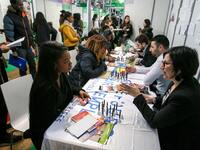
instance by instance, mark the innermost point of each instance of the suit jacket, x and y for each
(178, 118)
(148, 58)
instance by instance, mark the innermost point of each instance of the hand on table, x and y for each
(130, 69)
(84, 94)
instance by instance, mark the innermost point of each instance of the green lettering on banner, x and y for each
(117, 3)
(81, 3)
(67, 7)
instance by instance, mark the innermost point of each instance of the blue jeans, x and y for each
(29, 56)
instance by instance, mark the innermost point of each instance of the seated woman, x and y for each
(51, 91)
(90, 61)
(147, 29)
(176, 115)
(110, 48)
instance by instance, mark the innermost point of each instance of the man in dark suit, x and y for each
(145, 57)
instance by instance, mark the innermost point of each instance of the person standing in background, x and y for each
(53, 31)
(95, 22)
(61, 21)
(16, 25)
(78, 24)
(147, 29)
(41, 29)
(127, 29)
(71, 38)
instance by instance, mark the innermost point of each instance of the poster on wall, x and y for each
(67, 7)
(67, 1)
(129, 1)
(117, 3)
(63, 1)
(81, 3)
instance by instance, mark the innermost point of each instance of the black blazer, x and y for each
(148, 58)
(47, 101)
(178, 118)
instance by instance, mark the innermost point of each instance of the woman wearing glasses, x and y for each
(176, 115)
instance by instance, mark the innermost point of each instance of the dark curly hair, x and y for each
(95, 43)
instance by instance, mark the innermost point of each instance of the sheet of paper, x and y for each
(16, 43)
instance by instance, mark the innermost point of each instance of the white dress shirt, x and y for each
(154, 73)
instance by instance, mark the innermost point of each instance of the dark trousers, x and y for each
(3, 74)
(3, 116)
(29, 56)
(37, 139)
(3, 108)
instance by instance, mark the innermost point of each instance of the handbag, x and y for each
(17, 61)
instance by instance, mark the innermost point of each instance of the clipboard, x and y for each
(18, 62)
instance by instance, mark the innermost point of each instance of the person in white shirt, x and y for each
(159, 45)
(95, 22)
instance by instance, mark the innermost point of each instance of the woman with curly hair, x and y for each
(90, 61)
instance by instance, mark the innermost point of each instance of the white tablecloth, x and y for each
(132, 133)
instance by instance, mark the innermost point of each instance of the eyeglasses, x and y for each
(166, 63)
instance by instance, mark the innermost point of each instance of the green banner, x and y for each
(67, 7)
(117, 3)
(81, 3)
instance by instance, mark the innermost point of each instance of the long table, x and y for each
(132, 133)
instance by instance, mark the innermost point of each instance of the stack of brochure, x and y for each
(87, 127)
(84, 121)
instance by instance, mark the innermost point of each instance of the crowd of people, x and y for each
(169, 72)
